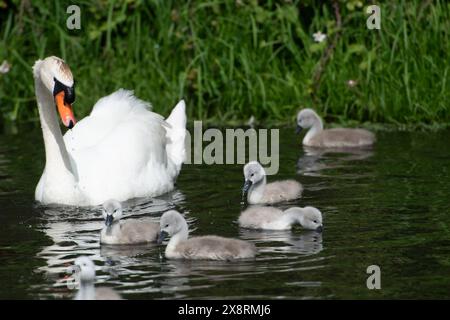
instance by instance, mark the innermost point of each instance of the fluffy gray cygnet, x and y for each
(199, 248)
(258, 191)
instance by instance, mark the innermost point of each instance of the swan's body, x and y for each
(86, 270)
(331, 138)
(130, 231)
(200, 248)
(259, 191)
(270, 218)
(120, 151)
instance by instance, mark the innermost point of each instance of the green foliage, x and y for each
(234, 59)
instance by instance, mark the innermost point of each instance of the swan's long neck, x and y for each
(113, 229)
(316, 128)
(87, 291)
(256, 191)
(180, 236)
(56, 157)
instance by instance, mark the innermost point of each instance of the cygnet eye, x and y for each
(167, 225)
(252, 175)
(315, 221)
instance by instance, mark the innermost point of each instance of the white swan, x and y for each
(86, 272)
(259, 191)
(331, 138)
(120, 151)
(129, 231)
(174, 225)
(270, 218)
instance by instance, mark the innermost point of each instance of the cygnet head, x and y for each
(56, 76)
(171, 223)
(112, 212)
(253, 173)
(85, 268)
(309, 217)
(306, 118)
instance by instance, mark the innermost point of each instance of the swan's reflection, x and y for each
(317, 159)
(287, 241)
(117, 252)
(192, 267)
(75, 231)
(189, 274)
(204, 273)
(143, 269)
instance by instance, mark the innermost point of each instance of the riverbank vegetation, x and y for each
(232, 60)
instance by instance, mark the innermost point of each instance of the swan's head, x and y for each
(112, 212)
(253, 173)
(306, 118)
(85, 268)
(309, 217)
(171, 223)
(56, 76)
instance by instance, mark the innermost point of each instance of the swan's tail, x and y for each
(176, 135)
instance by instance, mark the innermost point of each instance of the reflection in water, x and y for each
(390, 209)
(143, 269)
(318, 159)
(211, 270)
(112, 252)
(75, 231)
(286, 241)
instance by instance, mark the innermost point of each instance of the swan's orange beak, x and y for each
(65, 110)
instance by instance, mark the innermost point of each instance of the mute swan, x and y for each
(199, 248)
(330, 138)
(86, 270)
(258, 191)
(120, 151)
(125, 232)
(270, 218)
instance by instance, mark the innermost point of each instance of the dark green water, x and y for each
(387, 207)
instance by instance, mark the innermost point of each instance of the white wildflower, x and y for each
(5, 67)
(352, 83)
(319, 36)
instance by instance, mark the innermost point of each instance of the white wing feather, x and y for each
(120, 150)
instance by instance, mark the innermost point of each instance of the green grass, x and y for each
(234, 59)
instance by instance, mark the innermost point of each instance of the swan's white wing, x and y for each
(107, 114)
(119, 150)
(176, 134)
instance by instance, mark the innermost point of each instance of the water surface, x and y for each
(388, 206)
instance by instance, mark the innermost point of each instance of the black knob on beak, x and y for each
(109, 220)
(69, 94)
